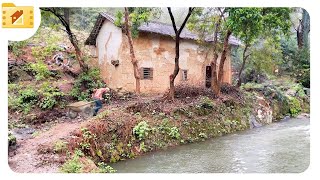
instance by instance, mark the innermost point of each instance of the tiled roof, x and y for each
(150, 27)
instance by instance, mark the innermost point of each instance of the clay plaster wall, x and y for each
(152, 51)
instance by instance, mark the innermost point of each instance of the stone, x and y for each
(290, 92)
(253, 122)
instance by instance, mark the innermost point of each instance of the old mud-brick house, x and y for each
(155, 52)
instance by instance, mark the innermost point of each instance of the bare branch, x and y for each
(185, 21)
(172, 20)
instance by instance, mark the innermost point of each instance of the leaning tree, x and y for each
(63, 14)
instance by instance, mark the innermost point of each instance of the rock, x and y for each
(253, 122)
(290, 92)
(263, 112)
(65, 87)
(303, 115)
(307, 91)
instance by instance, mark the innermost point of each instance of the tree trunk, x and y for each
(222, 60)
(214, 80)
(65, 22)
(217, 86)
(303, 30)
(214, 62)
(132, 55)
(176, 68)
(306, 27)
(177, 49)
(244, 59)
(79, 55)
(66, 13)
(300, 34)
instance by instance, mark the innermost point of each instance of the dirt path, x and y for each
(27, 159)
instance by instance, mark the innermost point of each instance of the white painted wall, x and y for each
(108, 42)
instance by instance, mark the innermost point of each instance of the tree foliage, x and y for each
(249, 24)
(63, 14)
(133, 18)
(137, 16)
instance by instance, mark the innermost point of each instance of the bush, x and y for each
(50, 96)
(86, 83)
(251, 86)
(40, 70)
(299, 90)
(13, 102)
(206, 102)
(28, 95)
(294, 106)
(141, 130)
(27, 98)
(60, 146)
(174, 133)
(104, 168)
(24, 99)
(296, 62)
(16, 47)
(73, 165)
(42, 53)
(12, 139)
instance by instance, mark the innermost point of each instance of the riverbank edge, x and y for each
(120, 134)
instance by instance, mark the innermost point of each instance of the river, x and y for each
(282, 147)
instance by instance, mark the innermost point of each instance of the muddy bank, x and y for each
(281, 147)
(131, 131)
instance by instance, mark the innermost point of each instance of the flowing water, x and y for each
(282, 147)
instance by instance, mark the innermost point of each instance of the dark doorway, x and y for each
(208, 76)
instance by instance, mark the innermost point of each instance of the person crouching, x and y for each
(97, 97)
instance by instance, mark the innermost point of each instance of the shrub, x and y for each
(87, 136)
(72, 165)
(26, 99)
(40, 70)
(296, 61)
(299, 90)
(60, 146)
(252, 86)
(27, 95)
(16, 47)
(174, 133)
(206, 102)
(50, 96)
(104, 168)
(141, 130)
(13, 102)
(23, 99)
(42, 53)
(13, 87)
(86, 83)
(294, 106)
(12, 139)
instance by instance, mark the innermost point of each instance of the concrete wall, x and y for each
(152, 51)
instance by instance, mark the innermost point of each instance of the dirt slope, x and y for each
(27, 159)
